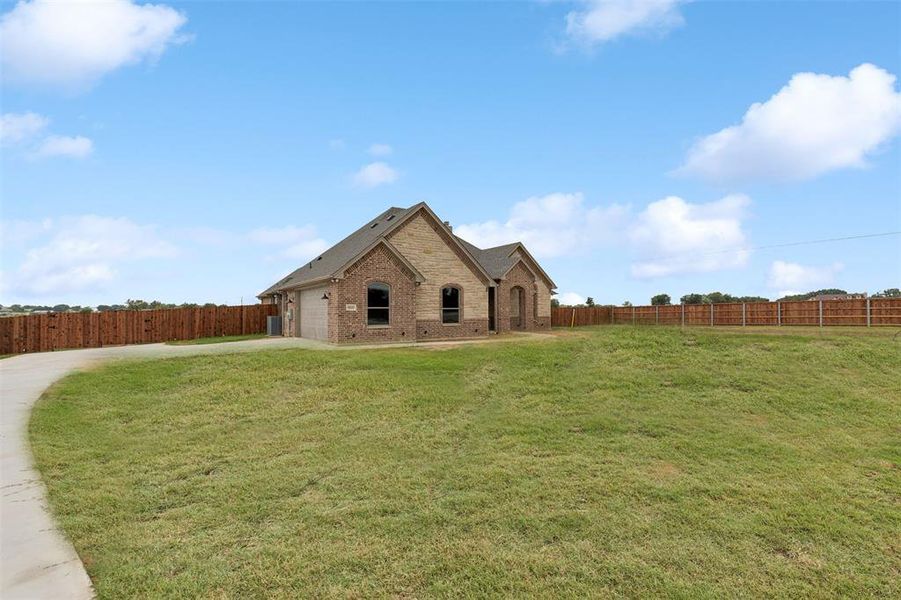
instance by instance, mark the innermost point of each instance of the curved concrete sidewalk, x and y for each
(36, 560)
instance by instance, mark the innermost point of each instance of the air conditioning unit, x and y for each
(274, 325)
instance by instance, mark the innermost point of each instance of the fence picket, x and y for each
(57, 331)
(863, 312)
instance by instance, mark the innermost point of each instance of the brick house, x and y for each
(405, 276)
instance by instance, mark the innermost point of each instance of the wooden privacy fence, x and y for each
(59, 331)
(865, 312)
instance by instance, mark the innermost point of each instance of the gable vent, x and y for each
(390, 217)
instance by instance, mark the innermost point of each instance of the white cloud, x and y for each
(601, 21)
(62, 145)
(300, 243)
(793, 276)
(670, 236)
(73, 44)
(375, 174)
(18, 232)
(18, 127)
(81, 253)
(23, 129)
(570, 298)
(380, 149)
(815, 124)
(551, 225)
(673, 236)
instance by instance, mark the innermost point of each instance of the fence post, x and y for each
(572, 321)
(683, 314)
(657, 316)
(633, 315)
(868, 312)
(778, 313)
(711, 314)
(821, 313)
(743, 321)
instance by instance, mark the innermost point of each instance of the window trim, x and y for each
(459, 308)
(369, 325)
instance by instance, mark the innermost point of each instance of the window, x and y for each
(378, 297)
(450, 305)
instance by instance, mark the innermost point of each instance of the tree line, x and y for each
(130, 304)
(720, 297)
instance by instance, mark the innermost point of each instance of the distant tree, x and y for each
(16, 308)
(889, 293)
(210, 305)
(554, 303)
(627, 303)
(108, 307)
(812, 294)
(720, 297)
(589, 301)
(86, 309)
(753, 299)
(136, 304)
(694, 299)
(661, 300)
(188, 305)
(60, 308)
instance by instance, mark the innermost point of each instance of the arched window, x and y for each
(378, 303)
(450, 305)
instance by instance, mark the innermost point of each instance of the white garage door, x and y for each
(314, 313)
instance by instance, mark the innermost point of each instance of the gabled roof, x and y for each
(333, 261)
(499, 260)
(336, 257)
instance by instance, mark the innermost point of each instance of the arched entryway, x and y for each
(517, 308)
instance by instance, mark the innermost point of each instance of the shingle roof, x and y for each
(494, 261)
(338, 255)
(497, 261)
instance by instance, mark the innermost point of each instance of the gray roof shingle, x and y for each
(338, 255)
(495, 261)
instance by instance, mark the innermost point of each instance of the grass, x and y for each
(614, 461)
(217, 340)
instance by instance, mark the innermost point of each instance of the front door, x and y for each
(491, 324)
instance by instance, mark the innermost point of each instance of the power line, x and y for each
(785, 245)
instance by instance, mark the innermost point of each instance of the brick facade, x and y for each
(427, 246)
(436, 330)
(350, 326)
(521, 277)
(415, 294)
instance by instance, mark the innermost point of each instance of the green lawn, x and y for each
(610, 461)
(217, 340)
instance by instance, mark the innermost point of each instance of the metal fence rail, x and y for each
(864, 312)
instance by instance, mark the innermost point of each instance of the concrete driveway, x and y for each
(36, 560)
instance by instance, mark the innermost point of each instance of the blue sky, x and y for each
(198, 151)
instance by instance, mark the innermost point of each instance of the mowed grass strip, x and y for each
(610, 461)
(221, 339)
